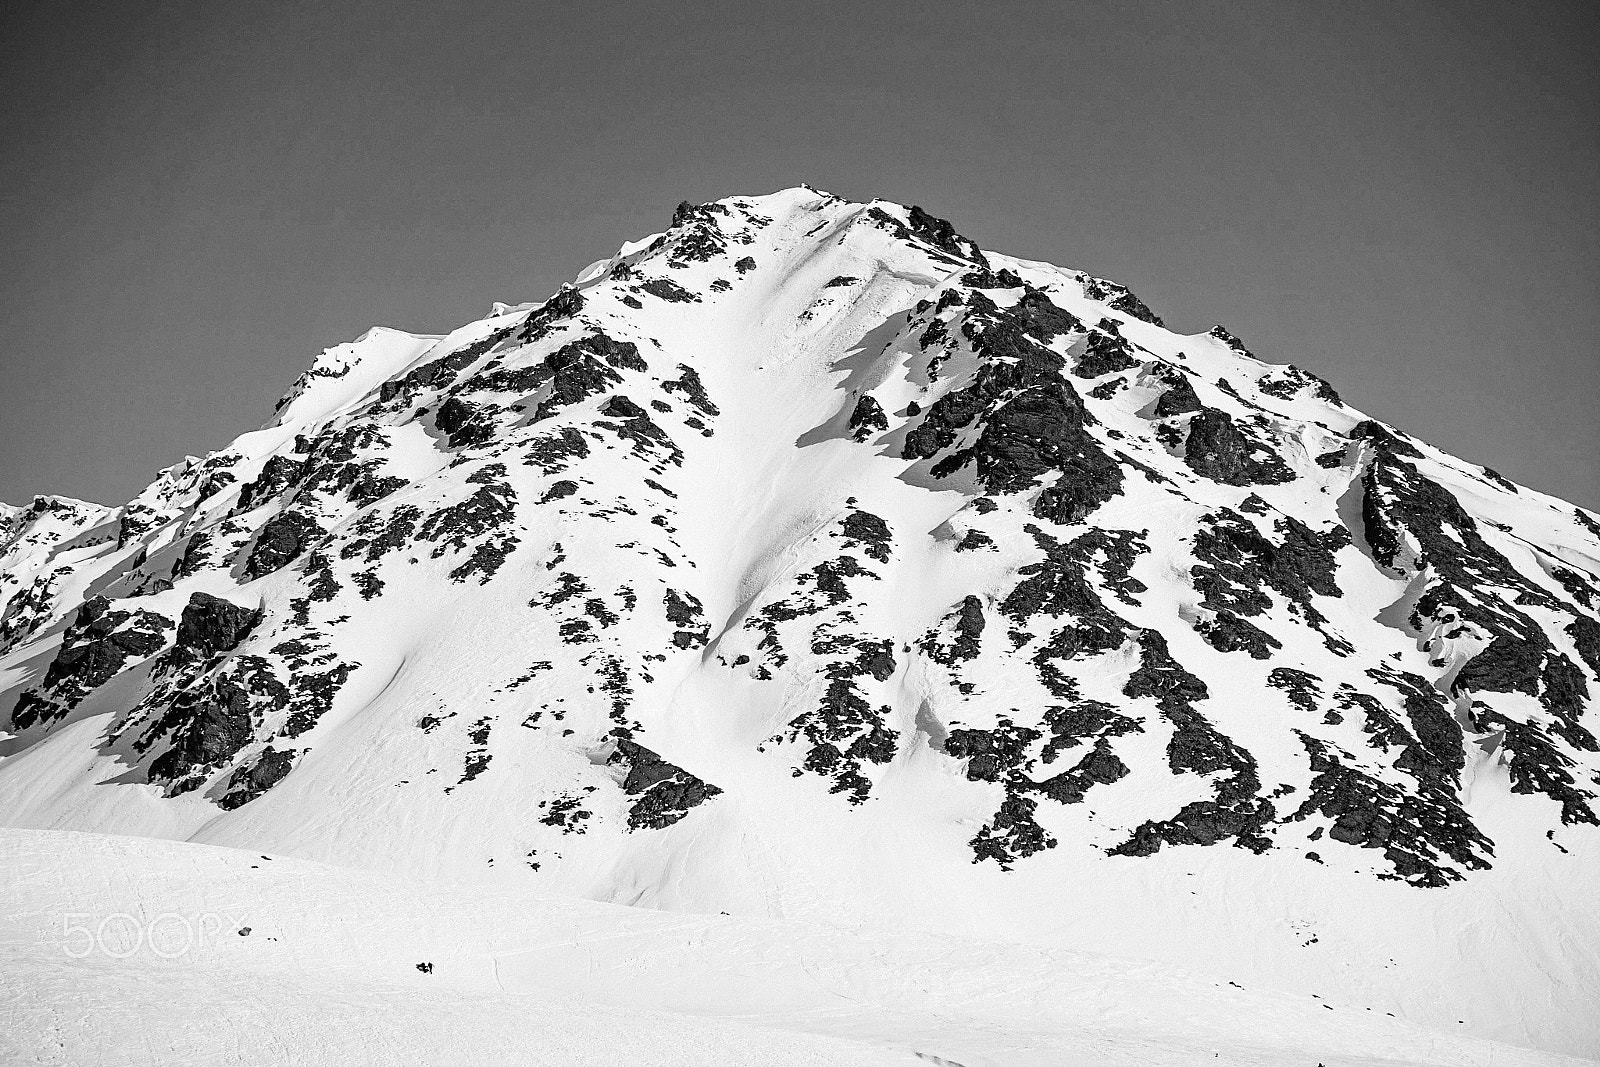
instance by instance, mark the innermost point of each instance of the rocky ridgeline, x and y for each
(1134, 524)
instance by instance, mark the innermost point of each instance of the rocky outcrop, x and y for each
(1217, 449)
(210, 624)
(101, 642)
(1030, 423)
(664, 792)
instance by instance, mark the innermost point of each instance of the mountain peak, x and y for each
(807, 559)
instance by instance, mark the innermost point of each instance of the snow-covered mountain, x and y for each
(805, 561)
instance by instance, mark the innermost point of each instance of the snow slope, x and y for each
(806, 563)
(140, 945)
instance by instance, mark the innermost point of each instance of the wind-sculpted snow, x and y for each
(805, 556)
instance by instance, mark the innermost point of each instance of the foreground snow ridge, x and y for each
(914, 621)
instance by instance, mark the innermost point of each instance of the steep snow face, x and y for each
(805, 560)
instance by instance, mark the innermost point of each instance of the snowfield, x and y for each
(128, 951)
(806, 637)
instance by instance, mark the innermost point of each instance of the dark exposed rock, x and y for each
(1290, 381)
(1119, 298)
(1221, 333)
(1510, 664)
(990, 279)
(210, 624)
(1100, 766)
(1012, 833)
(699, 242)
(1113, 554)
(249, 782)
(1302, 687)
(441, 372)
(577, 371)
(1331, 460)
(100, 642)
(281, 541)
(312, 696)
(377, 536)
(369, 489)
(551, 452)
(1585, 634)
(973, 540)
(1003, 755)
(1179, 399)
(844, 730)
(670, 291)
(943, 236)
(871, 533)
(867, 418)
(453, 414)
(1217, 449)
(1084, 721)
(1417, 832)
(565, 304)
(1587, 521)
(1236, 565)
(1387, 441)
(1508, 652)
(1056, 587)
(490, 507)
(873, 658)
(1537, 766)
(1436, 757)
(1032, 422)
(685, 611)
(620, 407)
(277, 475)
(1227, 632)
(1412, 522)
(964, 626)
(1105, 354)
(991, 755)
(688, 213)
(1565, 694)
(559, 490)
(640, 429)
(1579, 587)
(1197, 747)
(688, 383)
(566, 814)
(465, 425)
(212, 719)
(665, 792)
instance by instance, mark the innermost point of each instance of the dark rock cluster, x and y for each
(664, 792)
(99, 644)
(1217, 449)
(1028, 422)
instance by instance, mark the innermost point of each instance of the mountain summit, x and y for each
(805, 560)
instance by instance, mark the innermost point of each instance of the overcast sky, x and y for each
(196, 198)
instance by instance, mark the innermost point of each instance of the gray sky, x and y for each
(196, 198)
